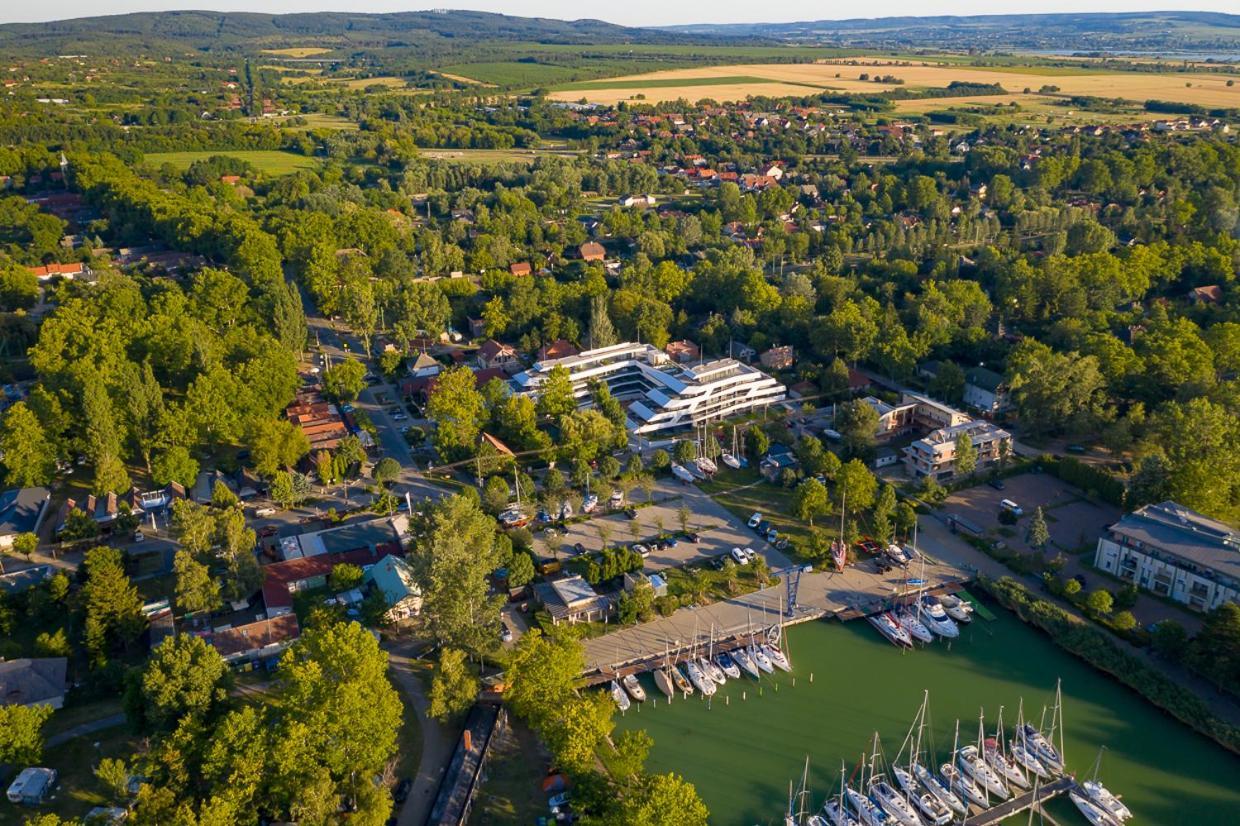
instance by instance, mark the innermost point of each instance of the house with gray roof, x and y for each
(1174, 552)
(986, 391)
(21, 511)
(33, 681)
(572, 599)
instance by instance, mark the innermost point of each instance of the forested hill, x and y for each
(1157, 30)
(234, 31)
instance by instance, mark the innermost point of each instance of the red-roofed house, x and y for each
(283, 579)
(258, 641)
(493, 354)
(1212, 294)
(521, 268)
(778, 358)
(683, 351)
(592, 251)
(73, 270)
(557, 349)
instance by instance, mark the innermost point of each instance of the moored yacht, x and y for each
(932, 809)
(1003, 765)
(776, 657)
(1041, 747)
(936, 787)
(1108, 802)
(870, 813)
(728, 665)
(741, 657)
(962, 785)
(663, 679)
(1095, 814)
(891, 629)
(682, 682)
(634, 688)
(986, 777)
(893, 802)
(914, 626)
(958, 609)
(711, 670)
(935, 617)
(617, 694)
(699, 679)
(760, 659)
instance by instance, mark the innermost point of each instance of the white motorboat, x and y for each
(958, 609)
(893, 803)
(663, 679)
(742, 658)
(1104, 799)
(1095, 814)
(760, 659)
(634, 688)
(897, 554)
(937, 788)
(776, 657)
(699, 679)
(1003, 765)
(891, 629)
(589, 504)
(962, 785)
(915, 627)
(986, 777)
(870, 813)
(711, 670)
(731, 461)
(1041, 747)
(683, 685)
(932, 809)
(728, 665)
(935, 617)
(617, 694)
(682, 473)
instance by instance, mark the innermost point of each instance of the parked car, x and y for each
(693, 537)
(631, 513)
(1076, 449)
(772, 535)
(997, 484)
(738, 556)
(754, 520)
(750, 554)
(641, 549)
(579, 548)
(505, 633)
(268, 530)
(560, 799)
(401, 793)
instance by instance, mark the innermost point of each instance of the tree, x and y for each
(345, 576)
(948, 382)
(113, 775)
(113, 607)
(175, 464)
(757, 442)
(1215, 651)
(637, 605)
(1039, 534)
(966, 454)
(905, 519)
(454, 686)
(344, 380)
(386, 470)
(602, 333)
(856, 486)
(222, 496)
(1124, 621)
(1099, 602)
(52, 645)
(25, 544)
(1193, 445)
(556, 398)
(495, 495)
(196, 590)
(810, 499)
(857, 424)
(1055, 392)
(454, 559)
(459, 412)
(29, 455)
(1072, 587)
(685, 451)
(276, 444)
(102, 443)
(1170, 640)
(21, 733)
(520, 570)
(884, 510)
(184, 677)
(664, 800)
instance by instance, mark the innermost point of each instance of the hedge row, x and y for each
(1088, 478)
(1100, 651)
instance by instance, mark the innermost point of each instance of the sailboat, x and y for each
(994, 751)
(1043, 746)
(759, 657)
(1102, 797)
(682, 473)
(514, 516)
(617, 694)
(1021, 753)
(712, 668)
(947, 801)
(663, 676)
(729, 458)
(887, 796)
(728, 665)
(915, 627)
(932, 809)
(870, 813)
(971, 761)
(634, 688)
(741, 657)
(590, 502)
(774, 650)
(699, 679)
(683, 683)
(1095, 814)
(890, 628)
(835, 810)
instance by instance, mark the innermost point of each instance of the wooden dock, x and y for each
(1023, 803)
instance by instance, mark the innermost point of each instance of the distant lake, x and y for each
(742, 754)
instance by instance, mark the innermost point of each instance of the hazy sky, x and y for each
(627, 12)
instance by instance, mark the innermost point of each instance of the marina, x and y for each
(742, 746)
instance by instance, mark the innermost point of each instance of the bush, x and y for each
(666, 605)
(1089, 478)
(1097, 649)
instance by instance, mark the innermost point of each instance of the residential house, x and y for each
(317, 419)
(1174, 552)
(592, 251)
(262, 641)
(521, 268)
(21, 511)
(778, 358)
(394, 578)
(32, 785)
(986, 391)
(639, 201)
(424, 366)
(1211, 294)
(571, 599)
(777, 459)
(103, 509)
(36, 681)
(303, 573)
(683, 351)
(935, 454)
(495, 355)
(657, 583)
(558, 349)
(70, 271)
(477, 327)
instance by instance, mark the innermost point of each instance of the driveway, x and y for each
(437, 742)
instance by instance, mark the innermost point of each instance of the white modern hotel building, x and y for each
(659, 394)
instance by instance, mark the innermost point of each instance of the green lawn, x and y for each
(78, 790)
(514, 73)
(736, 490)
(270, 162)
(512, 791)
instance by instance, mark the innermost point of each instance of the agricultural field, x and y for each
(298, 51)
(269, 162)
(512, 73)
(792, 78)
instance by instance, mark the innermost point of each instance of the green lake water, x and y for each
(741, 753)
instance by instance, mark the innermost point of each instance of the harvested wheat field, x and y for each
(792, 79)
(298, 51)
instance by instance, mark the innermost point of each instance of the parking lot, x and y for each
(1073, 521)
(719, 532)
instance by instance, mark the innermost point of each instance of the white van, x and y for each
(1012, 507)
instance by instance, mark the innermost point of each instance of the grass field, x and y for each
(469, 81)
(733, 82)
(298, 51)
(270, 162)
(318, 120)
(512, 73)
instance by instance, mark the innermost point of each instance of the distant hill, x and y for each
(1155, 31)
(178, 31)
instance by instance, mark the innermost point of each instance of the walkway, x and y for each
(83, 729)
(437, 744)
(1022, 803)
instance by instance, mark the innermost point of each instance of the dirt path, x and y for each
(437, 742)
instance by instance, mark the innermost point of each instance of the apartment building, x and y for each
(1174, 552)
(935, 454)
(659, 394)
(914, 412)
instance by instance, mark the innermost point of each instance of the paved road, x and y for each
(111, 721)
(437, 742)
